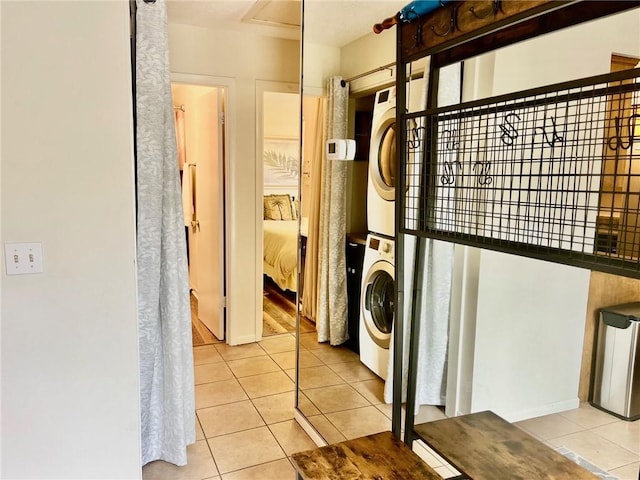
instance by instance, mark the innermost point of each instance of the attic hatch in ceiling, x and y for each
(277, 13)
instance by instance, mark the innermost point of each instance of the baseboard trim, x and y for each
(540, 411)
(309, 428)
(244, 340)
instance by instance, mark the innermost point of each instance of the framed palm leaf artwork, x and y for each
(281, 162)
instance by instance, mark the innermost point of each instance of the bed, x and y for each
(280, 252)
(280, 241)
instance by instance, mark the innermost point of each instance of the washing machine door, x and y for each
(378, 302)
(383, 156)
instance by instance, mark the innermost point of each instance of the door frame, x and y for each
(263, 86)
(227, 85)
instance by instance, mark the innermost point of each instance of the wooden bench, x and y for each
(375, 457)
(483, 446)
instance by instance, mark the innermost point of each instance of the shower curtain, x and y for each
(164, 316)
(432, 308)
(331, 319)
(312, 261)
(435, 259)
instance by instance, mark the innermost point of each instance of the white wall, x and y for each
(281, 113)
(380, 50)
(530, 314)
(281, 120)
(246, 59)
(529, 335)
(70, 395)
(319, 63)
(195, 135)
(568, 54)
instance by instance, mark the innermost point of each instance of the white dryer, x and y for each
(382, 164)
(383, 157)
(377, 304)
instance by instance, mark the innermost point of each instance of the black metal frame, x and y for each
(550, 17)
(531, 183)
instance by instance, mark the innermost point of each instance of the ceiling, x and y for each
(327, 22)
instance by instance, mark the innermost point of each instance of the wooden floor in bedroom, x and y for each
(199, 332)
(279, 312)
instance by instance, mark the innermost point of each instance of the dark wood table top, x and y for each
(484, 446)
(375, 457)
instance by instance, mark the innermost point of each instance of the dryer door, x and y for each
(383, 156)
(378, 302)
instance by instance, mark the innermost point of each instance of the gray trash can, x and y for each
(616, 376)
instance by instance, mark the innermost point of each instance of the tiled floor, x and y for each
(245, 427)
(602, 439)
(244, 414)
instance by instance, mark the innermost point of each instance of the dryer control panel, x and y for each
(384, 96)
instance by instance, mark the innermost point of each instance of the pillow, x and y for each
(279, 207)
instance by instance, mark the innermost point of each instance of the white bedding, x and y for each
(280, 252)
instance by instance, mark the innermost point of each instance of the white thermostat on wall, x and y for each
(341, 149)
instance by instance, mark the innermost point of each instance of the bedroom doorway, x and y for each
(278, 148)
(200, 134)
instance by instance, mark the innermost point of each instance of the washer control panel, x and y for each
(383, 246)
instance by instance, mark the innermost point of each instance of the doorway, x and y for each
(278, 157)
(200, 134)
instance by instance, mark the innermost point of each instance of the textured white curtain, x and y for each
(331, 318)
(435, 259)
(315, 136)
(433, 305)
(164, 316)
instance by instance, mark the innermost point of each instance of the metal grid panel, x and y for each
(551, 173)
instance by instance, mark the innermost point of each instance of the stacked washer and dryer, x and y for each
(378, 279)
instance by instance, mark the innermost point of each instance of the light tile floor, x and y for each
(245, 427)
(602, 439)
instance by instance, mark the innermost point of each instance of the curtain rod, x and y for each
(388, 66)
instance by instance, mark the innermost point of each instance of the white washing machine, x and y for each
(383, 157)
(377, 304)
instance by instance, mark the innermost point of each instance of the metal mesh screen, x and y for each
(552, 173)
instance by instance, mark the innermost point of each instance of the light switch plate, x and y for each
(23, 258)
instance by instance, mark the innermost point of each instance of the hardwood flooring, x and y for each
(200, 333)
(279, 316)
(279, 312)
